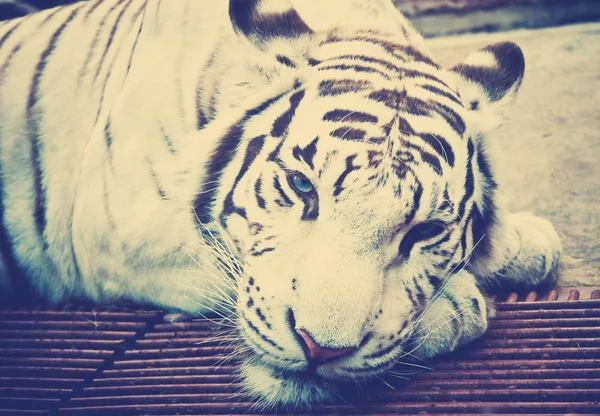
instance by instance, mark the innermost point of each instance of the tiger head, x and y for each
(357, 187)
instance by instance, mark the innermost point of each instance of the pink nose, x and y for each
(316, 353)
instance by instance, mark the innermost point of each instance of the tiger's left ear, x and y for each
(491, 78)
(261, 21)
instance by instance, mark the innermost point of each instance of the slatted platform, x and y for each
(538, 357)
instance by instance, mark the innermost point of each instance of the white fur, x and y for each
(112, 236)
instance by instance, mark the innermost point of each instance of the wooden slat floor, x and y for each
(539, 356)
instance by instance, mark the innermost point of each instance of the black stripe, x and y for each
(108, 138)
(453, 303)
(280, 126)
(376, 140)
(452, 118)
(336, 87)
(475, 306)
(443, 93)
(441, 146)
(139, 11)
(109, 216)
(398, 51)
(383, 352)
(168, 140)
(432, 161)
(469, 180)
(92, 8)
(350, 167)
(388, 65)
(33, 127)
(257, 253)
(411, 297)
(481, 225)
(254, 148)
(202, 120)
(391, 98)
(10, 31)
(403, 125)
(409, 73)
(8, 61)
(418, 194)
(414, 54)
(349, 133)
(484, 219)
(247, 19)
(137, 38)
(375, 158)
(285, 200)
(349, 116)
(285, 61)
(264, 106)
(221, 158)
(50, 16)
(88, 58)
(262, 317)
(111, 37)
(307, 153)
(456, 324)
(434, 281)
(356, 68)
(464, 235)
(257, 192)
(419, 290)
(415, 106)
(159, 190)
(444, 264)
(257, 331)
(437, 243)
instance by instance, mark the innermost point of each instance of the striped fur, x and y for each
(315, 164)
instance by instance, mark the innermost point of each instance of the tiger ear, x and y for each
(261, 21)
(491, 78)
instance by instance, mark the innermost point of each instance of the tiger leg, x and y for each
(524, 252)
(456, 315)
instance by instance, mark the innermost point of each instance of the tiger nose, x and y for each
(318, 354)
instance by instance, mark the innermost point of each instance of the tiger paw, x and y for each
(457, 315)
(537, 260)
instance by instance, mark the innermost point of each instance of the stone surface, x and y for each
(548, 153)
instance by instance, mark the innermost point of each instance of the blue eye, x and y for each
(301, 183)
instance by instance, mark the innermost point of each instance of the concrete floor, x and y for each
(548, 153)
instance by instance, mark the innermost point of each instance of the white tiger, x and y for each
(313, 163)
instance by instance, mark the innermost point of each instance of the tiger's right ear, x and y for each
(262, 21)
(490, 79)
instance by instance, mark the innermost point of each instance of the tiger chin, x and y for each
(310, 173)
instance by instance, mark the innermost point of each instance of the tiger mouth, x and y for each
(330, 372)
(284, 387)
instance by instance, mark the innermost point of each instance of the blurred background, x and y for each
(436, 17)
